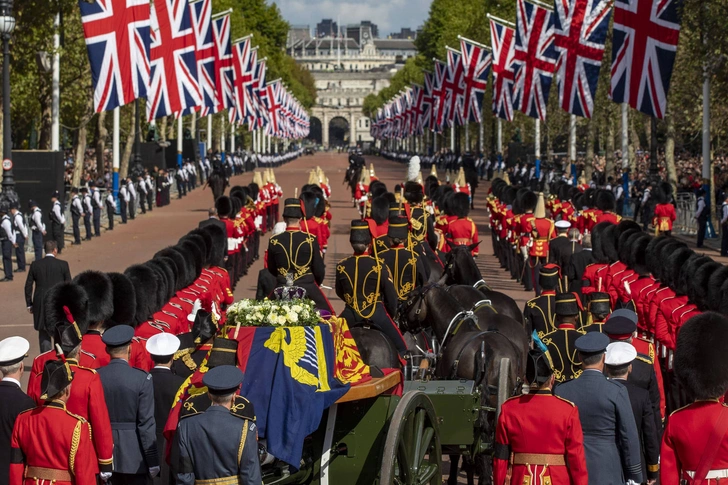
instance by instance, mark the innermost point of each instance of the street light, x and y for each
(7, 25)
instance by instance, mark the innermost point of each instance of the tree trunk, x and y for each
(171, 135)
(610, 138)
(591, 128)
(193, 125)
(609, 158)
(670, 151)
(80, 149)
(634, 144)
(46, 115)
(101, 134)
(162, 132)
(128, 145)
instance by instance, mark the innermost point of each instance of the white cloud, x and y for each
(388, 15)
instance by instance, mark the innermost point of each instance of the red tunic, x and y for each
(663, 217)
(544, 231)
(640, 294)
(590, 278)
(655, 303)
(665, 327)
(540, 423)
(464, 233)
(608, 217)
(683, 442)
(46, 437)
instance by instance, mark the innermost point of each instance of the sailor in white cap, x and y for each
(619, 358)
(12, 352)
(162, 348)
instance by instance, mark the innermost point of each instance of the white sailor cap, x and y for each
(562, 224)
(13, 350)
(163, 344)
(620, 353)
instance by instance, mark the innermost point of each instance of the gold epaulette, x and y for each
(180, 353)
(189, 362)
(566, 400)
(645, 359)
(86, 368)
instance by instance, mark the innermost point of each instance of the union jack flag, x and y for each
(242, 51)
(502, 42)
(580, 27)
(418, 110)
(534, 60)
(646, 33)
(455, 87)
(274, 105)
(174, 85)
(224, 72)
(117, 34)
(476, 61)
(201, 21)
(260, 94)
(427, 101)
(439, 97)
(249, 83)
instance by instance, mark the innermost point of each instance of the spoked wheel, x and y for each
(412, 452)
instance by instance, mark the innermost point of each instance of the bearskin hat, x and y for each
(589, 196)
(688, 271)
(100, 295)
(627, 225)
(124, 300)
(431, 185)
(564, 192)
(180, 266)
(605, 201)
(413, 192)
(624, 246)
(659, 195)
(144, 279)
(237, 206)
(596, 241)
(609, 243)
(697, 285)
(254, 190)
(714, 287)
(224, 206)
(64, 296)
(198, 241)
(701, 356)
(723, 306)
(308, 201)
(509, 195)
(380, 210)
(192, 255)
(653, 251)
(460, 204)
(664, 273)
(578, 200)
(377, 188)
(360, 232)
(529, 201)
(674, 264)
(219, 246)
(638, 254)
(169, 272)
(162, 285)
(207, 239)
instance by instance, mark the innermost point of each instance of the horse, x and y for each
(377, 351)
(352, 175)
(460, 269)
(217, 182)
(466, 352)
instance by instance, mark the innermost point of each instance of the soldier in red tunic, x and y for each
(49, 443)
(542, 231)
(462, 231)
(539, 440)
(664, 215)
(695, 442)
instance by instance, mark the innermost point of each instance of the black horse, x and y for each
(217, 181)
(466, 352)
(352, 176)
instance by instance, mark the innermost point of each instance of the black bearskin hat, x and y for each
(714, 287)
(180, 267)
(578, 200)
(653, 251)
(144, 279)
(664, 273)
(166, 266)
(380, 210)
(509, 195)
(624, 246)
(529, 201)
(701, 356)
(460, 204)
(638, 254)
(589, 196)
(100, 295)
(596, 242)
(674, 264)
(192, 255)
(627, 225)
(564, 192)
(605, 201)
(125, 301)
(659, 195)
(224, 206)
(360, 232)
(377, 188)
(62, 297)
(199, 243)
(207, 239)
(292, 209)
(308, 201)
(218, 236)
(609, 242)
(253, 190)
(698, 284)
(688, 271)
(413, 192)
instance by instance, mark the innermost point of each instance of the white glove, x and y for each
(214, 311)
(105, 476)
(258, 222)
(195, 308)
(627, 288)
(154, 471)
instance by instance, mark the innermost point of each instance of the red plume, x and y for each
(69, 317)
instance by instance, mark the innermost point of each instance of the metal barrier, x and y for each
(685, 206)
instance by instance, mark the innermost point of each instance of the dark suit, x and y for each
(213, 222)
(45, 274)
(649, 436)
(611, 441)
(14, 401)
(130, 399)
(575, 270)
(166, 384)
(560, 251)
(643, 376)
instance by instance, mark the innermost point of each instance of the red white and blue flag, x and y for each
(224, 71)
(439, 97)
(418, 109)
(427, 101)
(580, 27)
(249, 84)
(242, 50)
(117, 34)
(476, 59)
(201, 11)
(535, 58)
(274, 101)
(645, 38)
(455, 88)
(259, 94)
(174, 85)
(502, 41)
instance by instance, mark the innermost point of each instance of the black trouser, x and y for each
(381, 320)
(76, 218)
(150, 200)
(37, 244)
(180, 189)
(87, 224)
(142, 202)
(132, 208)
(110, 215)
(57, 235)
(123, 206)
(724, 240)
(8, 259)
(702, 222)
(97, 221)
(20, 250)
(44, 340)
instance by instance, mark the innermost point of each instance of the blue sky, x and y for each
(389, 15)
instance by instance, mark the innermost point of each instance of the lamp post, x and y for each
(7, 25)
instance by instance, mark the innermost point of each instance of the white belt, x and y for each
(712, 474)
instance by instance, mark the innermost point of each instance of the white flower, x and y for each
(281, 320)
(272, 319)
(296, 308)
(293, 317)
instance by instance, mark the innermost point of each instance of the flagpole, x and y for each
(506, 22)
(209, 132)
(481, 134)
(706, 124)
(625, 137)
(467, 137)
(115, 153)
(434, 142)
(537, 140)
(452, 138)
(500, 136)
(232, 137)
(572, 139)
(56, 76)
(222, 137)
(179, 140)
